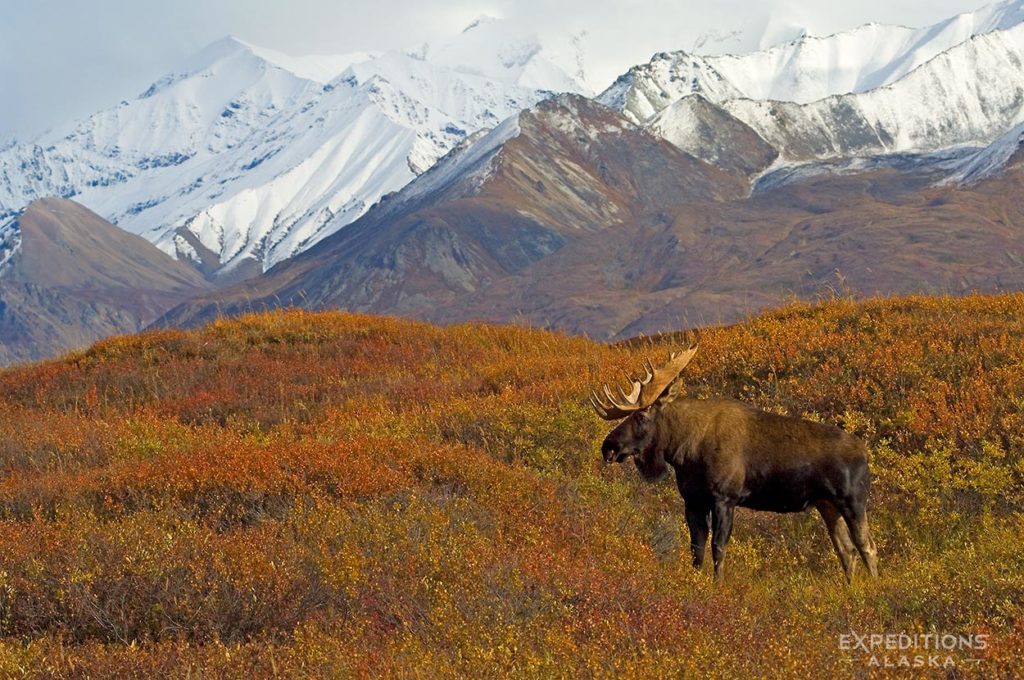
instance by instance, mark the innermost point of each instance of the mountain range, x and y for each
(571, 216)
(241, 159)
(480, 177)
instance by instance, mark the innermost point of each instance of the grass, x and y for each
(334, 495)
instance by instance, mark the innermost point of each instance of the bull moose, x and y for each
(726, 453)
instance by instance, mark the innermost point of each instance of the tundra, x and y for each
(726, 453)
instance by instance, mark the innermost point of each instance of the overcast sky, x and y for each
(64, 59)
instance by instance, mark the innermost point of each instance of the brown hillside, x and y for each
(690, 260)
(880, 232)
(76, 278)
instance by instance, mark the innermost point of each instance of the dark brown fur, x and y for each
(727, 453)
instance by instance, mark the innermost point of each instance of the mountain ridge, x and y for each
(230, 198)
(507, 203)
(792, 71)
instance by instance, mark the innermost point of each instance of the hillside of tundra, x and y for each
(297, 494)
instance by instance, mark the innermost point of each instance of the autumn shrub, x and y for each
(302, 494)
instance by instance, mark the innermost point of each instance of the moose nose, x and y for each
(609, 451)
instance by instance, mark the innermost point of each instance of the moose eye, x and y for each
(643, 422)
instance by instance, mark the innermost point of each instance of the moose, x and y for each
(726, 453)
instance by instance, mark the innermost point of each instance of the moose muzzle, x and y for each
(612, 453)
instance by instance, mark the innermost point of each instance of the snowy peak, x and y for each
(497, 50)
(222, 95)
(208, 57)
(873, 90)
(321, 68)
(317, 67)
(709, 132)
(219, 98)
(366, 134)
(244, 156)
(648, 88)
(867, 57)
(967, 95)
(228, 62)
(806, 69)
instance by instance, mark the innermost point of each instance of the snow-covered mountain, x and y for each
(320, 165)
(968, 95)
(883, 89)
(245, 157)
(219, 98)
(803, 70)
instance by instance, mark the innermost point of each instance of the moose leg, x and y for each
(841, 541)
(697, 521)
(721, 529)
(858, 524)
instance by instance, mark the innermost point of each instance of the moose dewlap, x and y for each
(726, 453)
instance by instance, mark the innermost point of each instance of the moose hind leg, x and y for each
(840, 536)
(697, 521)
(721, 529)
(858, 524)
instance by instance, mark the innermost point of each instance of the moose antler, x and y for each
(643, 391)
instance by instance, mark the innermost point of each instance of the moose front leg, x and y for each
(697, 521)
(721, 529)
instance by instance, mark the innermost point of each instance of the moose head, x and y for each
(634, 437)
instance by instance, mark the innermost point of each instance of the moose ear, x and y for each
(676, 390)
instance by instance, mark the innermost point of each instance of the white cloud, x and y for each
(62, 59)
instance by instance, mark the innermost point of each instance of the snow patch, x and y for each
(10, 243)
(471, 162)
(989, 161)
